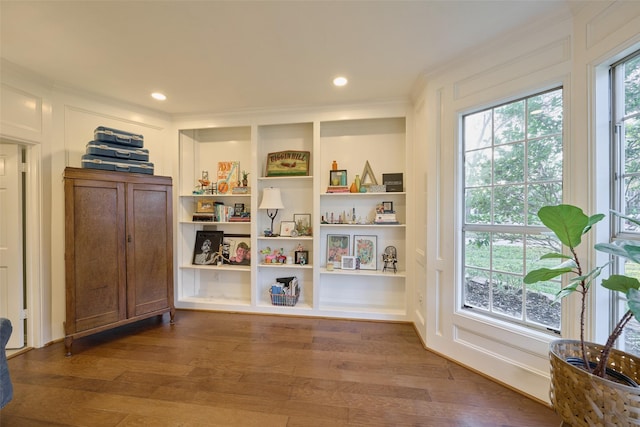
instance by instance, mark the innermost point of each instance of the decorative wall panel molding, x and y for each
(521, 66)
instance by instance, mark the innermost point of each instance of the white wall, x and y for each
(56, 124)
(562, 51)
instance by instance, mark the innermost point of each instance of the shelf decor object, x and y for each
(228, 176)
(207, 249)
(288, 163)
(365, 249)
(271, 201)
(394, 182)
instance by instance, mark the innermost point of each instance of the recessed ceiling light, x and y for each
(159, 96)
(340, 81)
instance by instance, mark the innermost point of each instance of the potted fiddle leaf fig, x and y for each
(591, 384)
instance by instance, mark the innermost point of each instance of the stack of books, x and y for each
(386, 218)
(337, 189)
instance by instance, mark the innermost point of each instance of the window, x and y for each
(512, 167)
(625, 132)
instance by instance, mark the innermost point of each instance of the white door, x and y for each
(11, 280)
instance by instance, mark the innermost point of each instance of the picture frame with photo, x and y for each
(236, 249)
(207, 247)
(303, 224)
(348, 262)
(205, 206)
(288, 228)
(301, 257)
(365, 248)
(338, 245)
(338, 177)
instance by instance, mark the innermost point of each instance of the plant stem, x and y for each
(583, 309)
(606, 350)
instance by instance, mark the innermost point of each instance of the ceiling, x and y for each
(221, 56)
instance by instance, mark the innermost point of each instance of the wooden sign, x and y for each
(288, 163)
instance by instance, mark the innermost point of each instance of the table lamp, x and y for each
(271, 200)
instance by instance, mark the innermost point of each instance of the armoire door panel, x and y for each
(148, 248)
(97, 253)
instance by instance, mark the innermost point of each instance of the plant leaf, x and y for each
(625, 249)
(567, 222)
(555, 255)
(620, 283)
(633, 300)
(566, 291)
(544, 274)
(628, 218)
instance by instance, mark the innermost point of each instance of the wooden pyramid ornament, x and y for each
(367, 172)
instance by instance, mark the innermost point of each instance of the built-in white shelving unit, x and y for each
(365, 293)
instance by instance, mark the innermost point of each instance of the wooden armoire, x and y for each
(118, 250)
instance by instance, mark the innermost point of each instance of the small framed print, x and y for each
(348, 263)
(238, 208)
(393, 181)
(302, 257)
(387, 207)
(303, 224)
(338, 177)
(236, 249)
(287, 228)
(205, 206)
(337, 247)
(365, 249)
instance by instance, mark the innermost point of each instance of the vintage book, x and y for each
(337, 189)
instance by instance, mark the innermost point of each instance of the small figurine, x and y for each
(390, 258)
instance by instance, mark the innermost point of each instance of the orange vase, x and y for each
(353, 188)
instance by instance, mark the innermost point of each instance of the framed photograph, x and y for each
(302, 257)
(303, 224)
(236, 249)
(387, 206)
(287, 228)
(365, 248)
(337, 247)
(207, 246)
(348, 263)
(338, 177)
(238, 208)
(205, 206)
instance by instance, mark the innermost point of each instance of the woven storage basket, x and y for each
(582, 399)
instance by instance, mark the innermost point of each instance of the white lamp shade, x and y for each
(271, 199)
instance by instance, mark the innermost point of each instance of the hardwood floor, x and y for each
(225, 369)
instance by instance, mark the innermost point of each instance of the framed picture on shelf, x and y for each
(288, 228)
(238, 208)
(387, 207)
(337, 177)
(228, 176)
(393, 181)
(303, 224)
(302, 257)
(207, 247)
(205, 206)
(348, 263)
(288, 163)
(365, 248)
(337, 247)
(236, 249)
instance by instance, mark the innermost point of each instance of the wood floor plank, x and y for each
(231, 369)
